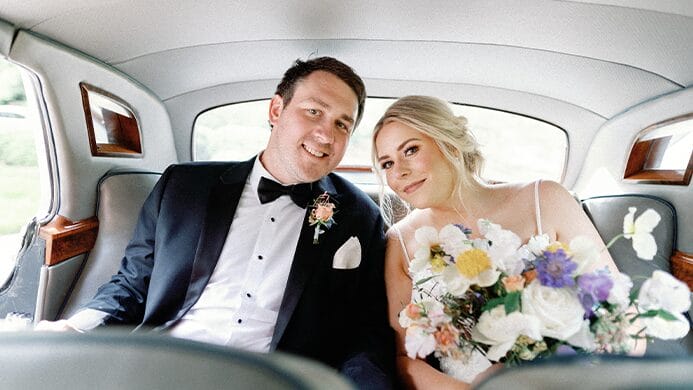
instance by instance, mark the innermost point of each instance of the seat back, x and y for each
(606, 213)
(120, 197)
(116, 360)
(595, 372)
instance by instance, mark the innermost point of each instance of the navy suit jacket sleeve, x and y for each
(151, 284)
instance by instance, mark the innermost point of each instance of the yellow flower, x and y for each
(555, 246)
(437, 263)
(472, 262)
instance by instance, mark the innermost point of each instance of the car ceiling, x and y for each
(601, 56)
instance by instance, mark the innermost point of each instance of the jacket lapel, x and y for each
(305, 261)
(223, 201)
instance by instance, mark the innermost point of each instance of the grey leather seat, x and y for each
(114, 360)
(607, 214)
(596, 372)
(121, 194)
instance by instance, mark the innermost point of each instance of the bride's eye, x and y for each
(411, 150)
(386, 165)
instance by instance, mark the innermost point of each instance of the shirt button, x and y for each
(272, 219)
(259, 257)
(248, 295)
(240, 320)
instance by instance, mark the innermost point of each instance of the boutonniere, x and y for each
(321, 215)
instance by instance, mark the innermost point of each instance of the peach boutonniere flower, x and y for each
(321, 215)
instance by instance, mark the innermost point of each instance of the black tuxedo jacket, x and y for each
(336, 316)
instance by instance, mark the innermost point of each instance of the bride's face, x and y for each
(414, 166)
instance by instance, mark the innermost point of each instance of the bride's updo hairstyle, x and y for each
(434, 118)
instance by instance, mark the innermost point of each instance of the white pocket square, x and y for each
(348, 256)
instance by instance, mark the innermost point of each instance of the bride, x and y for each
(431, 161)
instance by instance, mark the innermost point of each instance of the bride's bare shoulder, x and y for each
(555, 195)
(408, 225)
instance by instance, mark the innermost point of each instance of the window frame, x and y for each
(641, 150)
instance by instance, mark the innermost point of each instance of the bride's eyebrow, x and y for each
(399, 148)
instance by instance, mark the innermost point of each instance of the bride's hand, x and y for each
(488, 372)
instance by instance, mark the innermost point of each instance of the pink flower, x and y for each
(446, 337)
(321, 215)
(513, 283)
(413, 311)
(323, 212)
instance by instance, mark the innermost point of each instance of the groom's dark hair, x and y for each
(301, 70)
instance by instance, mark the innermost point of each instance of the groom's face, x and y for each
(310, 133)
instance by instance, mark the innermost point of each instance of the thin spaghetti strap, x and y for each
(401, 242)
(537, 208)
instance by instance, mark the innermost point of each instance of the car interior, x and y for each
(118, 90)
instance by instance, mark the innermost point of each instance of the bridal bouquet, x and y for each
(492, 299)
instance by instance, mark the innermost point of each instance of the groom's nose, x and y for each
(323, 133)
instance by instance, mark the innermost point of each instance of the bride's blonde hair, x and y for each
(434, 118)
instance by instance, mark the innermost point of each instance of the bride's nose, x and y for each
(401, 170)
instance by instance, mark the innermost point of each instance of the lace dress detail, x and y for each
(466, 370)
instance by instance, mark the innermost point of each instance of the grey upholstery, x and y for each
(119, 200)
(596, 372)
(113, 360)
(607, 214)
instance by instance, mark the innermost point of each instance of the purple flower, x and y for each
(592, 289)
(554, 269)
(565, 350)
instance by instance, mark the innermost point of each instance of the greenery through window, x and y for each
(20, 176)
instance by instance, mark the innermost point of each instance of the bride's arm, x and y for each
(413, 373)
(567, 219)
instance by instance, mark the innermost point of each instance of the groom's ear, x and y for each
(275, 109)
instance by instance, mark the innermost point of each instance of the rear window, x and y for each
(516, 147)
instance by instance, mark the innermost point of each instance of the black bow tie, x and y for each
(269, 190)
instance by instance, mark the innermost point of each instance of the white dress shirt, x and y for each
(239, 305)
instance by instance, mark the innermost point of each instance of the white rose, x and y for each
(585, 254)
(663, 291)
(558, 309)
(666, 329)
(500, 330)
(584, 338)
(620, 292)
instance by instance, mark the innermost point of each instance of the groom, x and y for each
(223, 253)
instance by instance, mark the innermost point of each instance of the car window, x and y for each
(516, 147)
(22, 190)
